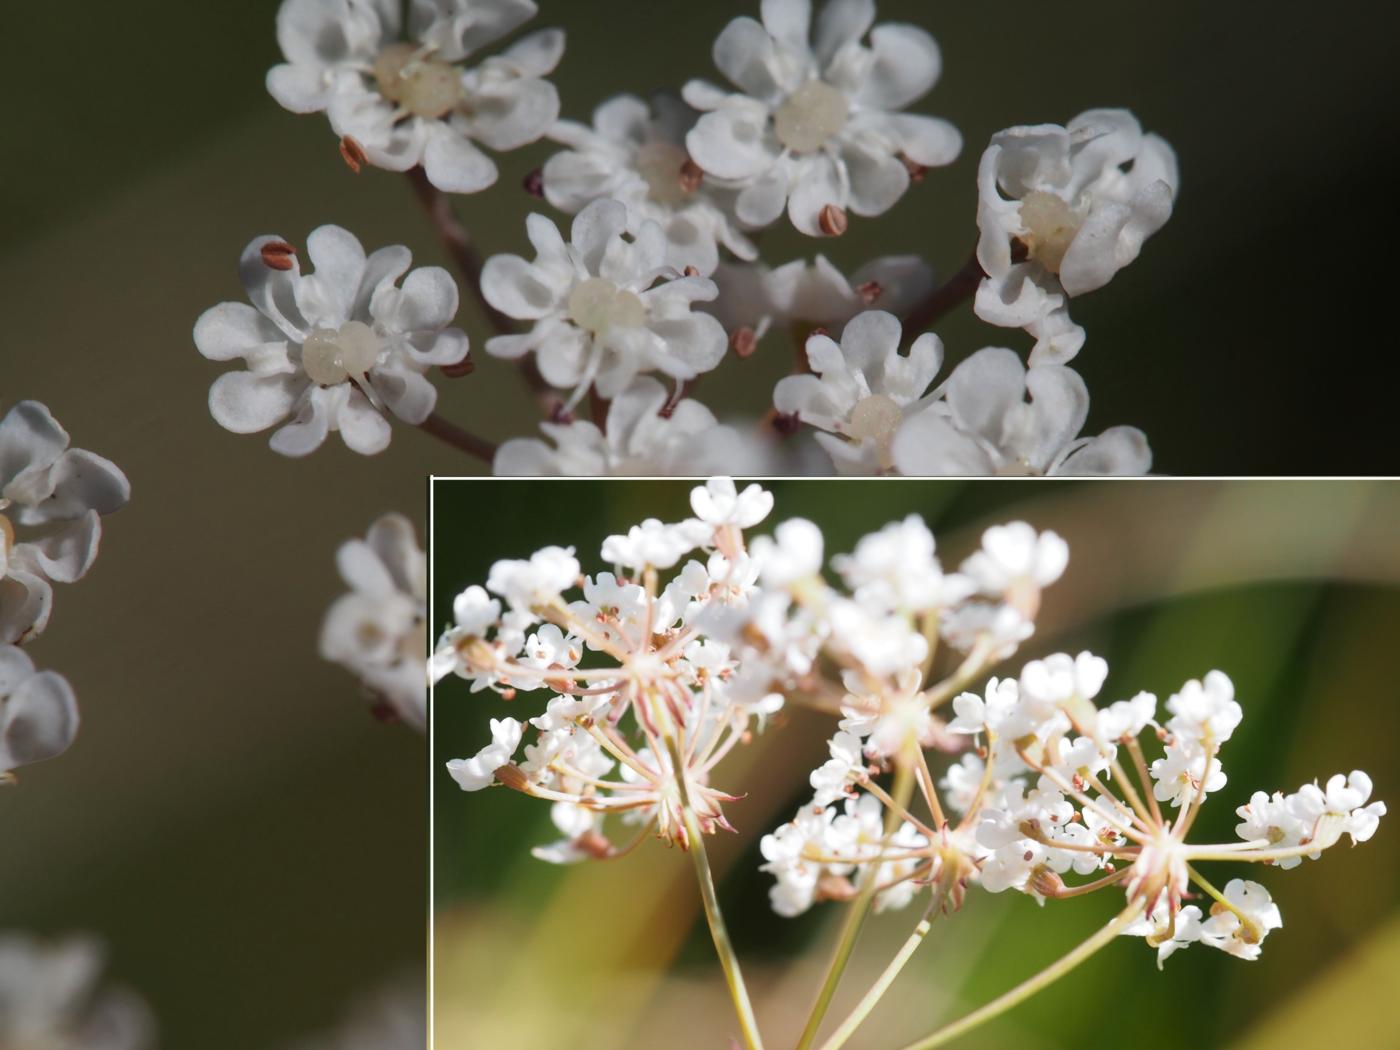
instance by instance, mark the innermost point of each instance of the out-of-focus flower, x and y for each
(336, 349)
(50, 999)
(379, 631)
(406, 102)
(636, 154)
(983, 424)
(817, 124)
(51, 501)
(38, 712)
(1061, 210)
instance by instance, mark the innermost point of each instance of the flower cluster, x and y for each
(50, 999)
(660, 281)
(1059, 785)
(52, 499)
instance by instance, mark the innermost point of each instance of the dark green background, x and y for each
(1292, 588)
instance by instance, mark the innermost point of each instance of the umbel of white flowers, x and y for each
(661, 280)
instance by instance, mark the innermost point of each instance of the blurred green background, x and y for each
(1292, 588)
(146, 153)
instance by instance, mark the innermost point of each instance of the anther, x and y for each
(691, 176)
(870, 291)
(278, 255)
(533, 183)
(743, 341)
(353, 153)
(833, 220)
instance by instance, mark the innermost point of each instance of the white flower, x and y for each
(38, 712)
(330, 350)
(1225, 930)
(475, 773)
(60, 494)
(1340, 808)
(1183, 774)
(862, 389)
(1016, 561)
(719, 502)
(1125, 719)
(895, 570)
(656, 544)
(598, 320)
(641, 439)
(50, 999)
(539, 581)
(474, 612)
(636, 154)
(1205, 712)
(816, 123)
(1070, 218)
(410, 102)
(977, 714)
(984, 424)
(792, 554)
(390, 1015)
(379, 630)
(832, 779)
(1169, 937)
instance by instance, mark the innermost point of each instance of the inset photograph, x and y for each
(907, 764)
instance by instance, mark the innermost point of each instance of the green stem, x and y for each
(1029, 987)
(748, 1023)
(882, 985)
(902, 792)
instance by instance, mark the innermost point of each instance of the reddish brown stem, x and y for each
(945, 298)
(458, 438)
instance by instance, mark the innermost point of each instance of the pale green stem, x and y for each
(728, 960)
(881, 986)
(1029, 987)
(860, 908)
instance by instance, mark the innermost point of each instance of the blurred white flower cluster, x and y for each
(659, 283)
(50, 999)
(52, 499)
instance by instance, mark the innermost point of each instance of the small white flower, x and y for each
(647, 435)
(410, 102)
(895, 570)
(792, 554)
(1225, 930)
(50, 999)
(51, 501)
(331, 350)
(719, 502)
(1205, 712)
(1169, 937)
(379, 630)
(832, 779)
(977, 714)
(817, 122)
(1079, 201)
(475, 773)
(38, 712)
(636, 154)
(1125, 719)
(984, 424)
(656, 544)
(1183, 774)
(539, 581)
(600, 316)
(1340, 808)
(1016, 563)
(862, 390)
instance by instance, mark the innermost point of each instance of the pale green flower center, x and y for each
(1051, 225)
(332, 356)
(426, 87)
(599, 306)
(876, 418)
(811, 115)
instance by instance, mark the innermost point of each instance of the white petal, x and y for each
(300, 88)
(453, 164)
(1117, 451)
(761, 201)
(233, 330)
(40, 720)
(818, 180)
(407, 394)
(31, 441)
(537, 54)
(82, 481)
(245, 403)
(842, 22)
(878, 178)
(328, 294)
(513, 114)
(790, 22)
(984, 388)
(928, 445)
(361, 426)
(906, 66)
(594, 230)
(427, 302)
(25, 603)
(733, 141)
(744, 53)
(308, 430)
(517, 289)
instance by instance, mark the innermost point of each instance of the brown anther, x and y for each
(533, 183)
(819, 330)
(786, 423)
(353, 153)
(870, 291)
(1028, 856)
(833, 220)
(278, 255)
(743, 341)
(1076, 817)
(746, 737)
(1020, 250)
(383, 711)
(507, 694)
(916, 170)
(691, 271)
(691, 176)
(559, 414)
(464, 367)
(1109, 868)
(835, 888)
(512, 777)
(585, 722)
(595, 845)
